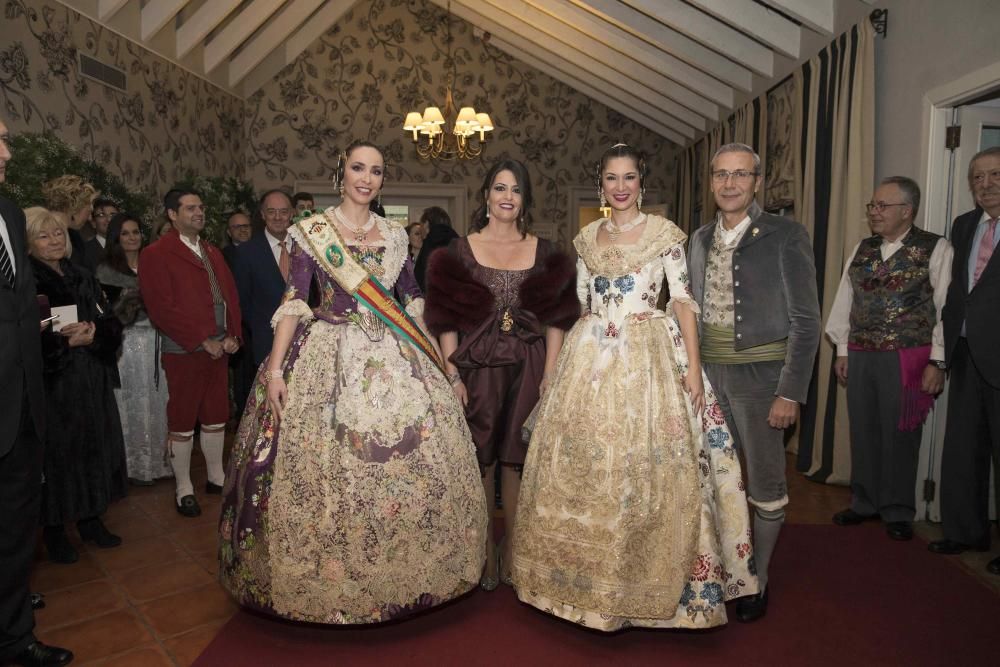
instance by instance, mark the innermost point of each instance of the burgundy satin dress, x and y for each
(502, 361)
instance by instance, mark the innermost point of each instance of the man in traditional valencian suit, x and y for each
(191, 298)
(754, 278)
(886, 324)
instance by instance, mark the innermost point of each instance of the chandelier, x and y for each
(468, 134)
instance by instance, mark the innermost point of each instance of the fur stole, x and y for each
(456, 301)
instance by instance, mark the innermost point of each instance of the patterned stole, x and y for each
(323, 242)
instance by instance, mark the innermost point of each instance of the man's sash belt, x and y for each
(718, 347)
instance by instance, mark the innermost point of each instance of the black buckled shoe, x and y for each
(993, 567)
(188, 506)
(214, 489)
(849, 517)
(899, 530)
(94, 530)
(37, 601)
(37, 654)
(752, 607)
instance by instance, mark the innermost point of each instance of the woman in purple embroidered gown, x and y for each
(500, 299)
(352, 494)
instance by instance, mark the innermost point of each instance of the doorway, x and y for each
(973, 103)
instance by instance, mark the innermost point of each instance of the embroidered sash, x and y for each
(323, 242)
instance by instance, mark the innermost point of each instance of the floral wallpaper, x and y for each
(169, 122)
(387, 57)
(780, 168)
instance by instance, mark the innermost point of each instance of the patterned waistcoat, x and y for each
(893, 299)
(717, 307)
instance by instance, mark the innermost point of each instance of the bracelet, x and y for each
(269, 375)
(453, 378)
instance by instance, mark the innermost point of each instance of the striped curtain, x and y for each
(834, 174)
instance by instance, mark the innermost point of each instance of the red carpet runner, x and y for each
(840, 596)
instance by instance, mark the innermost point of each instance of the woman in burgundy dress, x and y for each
(500, 300)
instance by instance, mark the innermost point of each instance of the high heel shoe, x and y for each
(486, 582)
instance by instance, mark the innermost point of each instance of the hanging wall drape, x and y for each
(835, 170)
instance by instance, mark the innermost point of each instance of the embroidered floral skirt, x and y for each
(632, 509)
(365, 503)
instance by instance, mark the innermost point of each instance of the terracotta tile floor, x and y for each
(155, 599)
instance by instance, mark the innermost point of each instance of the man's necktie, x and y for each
(985, 250)
(283, 261)
(6, 268)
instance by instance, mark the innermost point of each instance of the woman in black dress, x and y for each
(84, 449)
(500, 300)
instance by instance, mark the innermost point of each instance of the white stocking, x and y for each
(212, 440)
(181, 445)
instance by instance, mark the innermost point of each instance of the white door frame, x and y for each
(934, 160)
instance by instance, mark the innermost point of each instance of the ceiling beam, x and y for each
(815, 14)
(621, 15)
(271, 37)
(238, 31)
(709, 31)
(644, 52)
(489, 19)
(155, 15)
(606, 96)
(108, 8)
(758, 21)
(587, 48)
(202, 22)
(324, 19)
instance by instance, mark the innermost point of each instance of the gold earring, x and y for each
(638, 202)
(604, 200)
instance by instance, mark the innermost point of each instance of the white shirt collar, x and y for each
(273, 241)
(730, 235)
(194, 245)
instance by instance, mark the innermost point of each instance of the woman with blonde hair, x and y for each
(84, 461)
(71, 199)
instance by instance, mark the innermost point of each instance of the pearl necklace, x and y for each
(614, 230)
(360, 233)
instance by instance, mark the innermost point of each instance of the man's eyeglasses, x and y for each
(278, 212)
(721, 175)
(240, 228)
(879, 206)
(102, 215)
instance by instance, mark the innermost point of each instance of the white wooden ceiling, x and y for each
(673, 66)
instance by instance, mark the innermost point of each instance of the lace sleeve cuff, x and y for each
(296, 308)
(686, 300)
(415, 308)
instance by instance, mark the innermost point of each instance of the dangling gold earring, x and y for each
(487, 212)
(380, 198)
(638, 202)
(604, 200)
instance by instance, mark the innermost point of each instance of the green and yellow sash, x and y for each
(324, 244)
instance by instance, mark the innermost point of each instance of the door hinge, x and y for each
(953, 137)
(930, 488)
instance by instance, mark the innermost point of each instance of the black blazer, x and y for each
(93, 253)
(259, 283)
(978, 309)
(20, 341)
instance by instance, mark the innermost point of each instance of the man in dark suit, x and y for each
(238, 230)
(94, 249)
(971, 319)
(261, 271)
(21, 433)
(754, 278)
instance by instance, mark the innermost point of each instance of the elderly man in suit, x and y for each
(886, 324)
(22, 414)
(971, 324)
(261, 270)
(191, 298)
(754, 278)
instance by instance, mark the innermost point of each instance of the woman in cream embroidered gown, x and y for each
(632, 509)
(353, 492)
